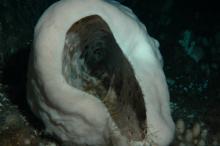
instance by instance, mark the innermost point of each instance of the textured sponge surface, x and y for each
(95, 76)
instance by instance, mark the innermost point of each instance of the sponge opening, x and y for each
(93, 62)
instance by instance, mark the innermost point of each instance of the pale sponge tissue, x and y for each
(180, 127)
(95, 76)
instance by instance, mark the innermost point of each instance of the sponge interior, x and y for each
(93, 62)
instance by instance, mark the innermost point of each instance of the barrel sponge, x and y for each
(95, 76)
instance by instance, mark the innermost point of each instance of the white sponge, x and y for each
(95, 76)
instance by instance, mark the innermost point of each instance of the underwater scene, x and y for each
(186, 99)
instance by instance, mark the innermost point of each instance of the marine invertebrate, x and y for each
(197, 135)
(95, 76)
(15, 130)
(12, 119)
